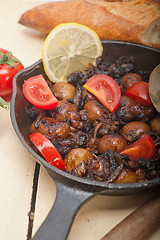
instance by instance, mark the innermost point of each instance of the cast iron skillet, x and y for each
(72, 191)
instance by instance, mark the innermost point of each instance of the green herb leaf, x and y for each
(8, 59)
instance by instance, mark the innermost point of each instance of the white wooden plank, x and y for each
(16, 173)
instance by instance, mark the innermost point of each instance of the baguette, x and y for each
(133, 21)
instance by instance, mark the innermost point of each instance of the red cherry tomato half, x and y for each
(47, 149)
(37, 92)
(9, 66)
(140, 92)
(105, 89)
(144, 147)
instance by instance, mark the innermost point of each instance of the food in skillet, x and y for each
(106, 137)
(95, 143)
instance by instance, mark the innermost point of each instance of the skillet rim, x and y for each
(138, 186)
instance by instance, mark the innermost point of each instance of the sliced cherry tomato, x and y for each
(140, 92)
(47, 149)
(105, 89)
(144, 147)
(9, 66)
(37, 92)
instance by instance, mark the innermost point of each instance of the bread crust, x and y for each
(115, 19)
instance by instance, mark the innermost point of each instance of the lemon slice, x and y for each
(68, 48)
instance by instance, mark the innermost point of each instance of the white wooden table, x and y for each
(17, 167)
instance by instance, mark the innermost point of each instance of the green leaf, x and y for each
(11, 63)
(9, 54)
(8, 59)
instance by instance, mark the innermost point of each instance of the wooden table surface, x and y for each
(17, 169)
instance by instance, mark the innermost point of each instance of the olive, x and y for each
(124, 111)
(129, 110)
(75, 157)
(155, 124)
(134, 130)
(66, 111)
(49, 126)
(94, 109)
(129, 79)
(114, 142)
(63, 108)
(127, 176)
(63, 90)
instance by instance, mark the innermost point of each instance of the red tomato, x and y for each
(37, 92)
(47, 149)
(140, 92)
(144, 147)
(105, 89)
(9, 66)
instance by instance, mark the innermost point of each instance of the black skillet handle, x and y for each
(58, 222)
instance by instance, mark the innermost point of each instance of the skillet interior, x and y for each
(145, 58)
